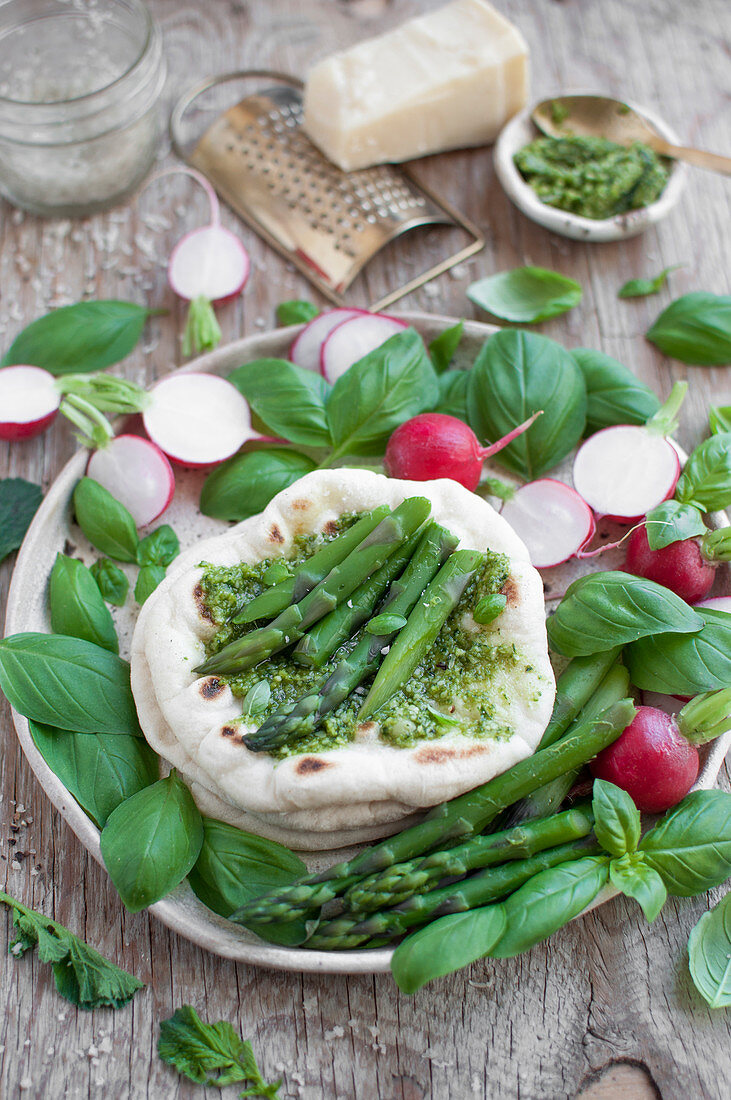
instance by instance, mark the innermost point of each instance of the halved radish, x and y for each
(552, 520)
(197, 419)
(29, 401)
(624, 471)
(716, 603)
(137, 473)
(354, 338)
(306, 348)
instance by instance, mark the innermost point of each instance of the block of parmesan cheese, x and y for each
(445, 80)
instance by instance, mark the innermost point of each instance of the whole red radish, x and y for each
(687, 567)
(29, 401)
(651, 760)
(435, 445)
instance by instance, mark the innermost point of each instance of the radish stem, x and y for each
(706, 716)
(202, 330)
(664, 421)
(494, 448)
(94, 428)
(716, 545)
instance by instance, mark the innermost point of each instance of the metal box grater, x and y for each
(327, 222)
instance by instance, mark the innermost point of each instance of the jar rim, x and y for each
(143, 10)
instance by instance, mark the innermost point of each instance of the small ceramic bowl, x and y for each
(521, 130)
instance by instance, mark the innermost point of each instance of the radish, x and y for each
(352, 339)
(207, 266)
(29, 401)
(434, 445)
(197, 419)
(717, 603)
(687, 567)
(553, 521)
(137, 473)
(305, 350)
(624, 471)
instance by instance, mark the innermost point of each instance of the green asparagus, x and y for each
(338, 585)
(575, 687)
(310, 572)
(424, 623)
(465, 816)
(291, 723)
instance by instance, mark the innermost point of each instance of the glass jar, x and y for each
(80, 86)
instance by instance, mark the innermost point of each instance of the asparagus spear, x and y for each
(424, 623)
(341, 581)
(319, 644)
(287, 725)
(576, 685)
(394, 886)
(310, 572)
(481, 889)
(463, 817)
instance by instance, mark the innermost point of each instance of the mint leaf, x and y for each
(19, 501)
(197, 1050)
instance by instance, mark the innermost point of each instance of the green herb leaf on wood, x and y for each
(640, 288)
(296, 312)
(76, 605)
(151, 841)
(691, 847)
(633, 878)
(615, 394)
(106, 523)
(446, 945)
(515, 375)
(672, 522)
(709, 955)
(526, 294)
(616, 818)
(160, 547)
(684, 664)
(289, 400)
(76, 339)
(245, 484)
(19, 502)
(443, 347)
(112, 582)
(696, 329)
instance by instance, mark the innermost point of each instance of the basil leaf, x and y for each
(640, 288)
(489, 608)
(112, 582)
(100, 770)
(148, 579)
(67, 682)
(515, 375)
(706, 477)
(446, 945)
(615, 394)
(526, 294)
(379, 392)
(691, 847)
(19, 502)
(256, 700)
(548, 901)
(616, 818)
(709, 955)
(719, 419)
(160, 547)
(289, 400)
(452, 399)
(106, 523)
(603, 610)
(684, 664)
(672, 522)
(235, 867)
(633, 878)
(84, 337)
(151, 841)
(296, 312)
(246, 483)
(696, 329)
(443, 347)
(76, 605)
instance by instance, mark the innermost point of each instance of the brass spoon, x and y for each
(600, 116)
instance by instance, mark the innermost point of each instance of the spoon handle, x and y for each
(699, 157)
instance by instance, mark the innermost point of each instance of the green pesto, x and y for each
(592, 176)
(453, 689)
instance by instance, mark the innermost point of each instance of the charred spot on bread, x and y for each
(300, 505)
(511, 591)
(228, 731)
(275, 535)
(432, 754)
(211, 687)
(203, 610)
(308, 765)
(331, 528)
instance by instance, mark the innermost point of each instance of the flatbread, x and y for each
(368, 787)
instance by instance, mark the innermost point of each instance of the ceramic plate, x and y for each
(52, 530)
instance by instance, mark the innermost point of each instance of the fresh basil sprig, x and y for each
(148, 578)
(151, 841)
(684, 664)
(19, 502)
(691, 847)
(709, 955)
(67, 682)
(100, 770)
(76, 605)
(83, 976)
(615, 394)
(672, 522)
(447, 945)
(106, 523)
(76, 339)
(706, 477)
(603, 610)
(244, 485)
(296, 312)
(288, 400)
(640, 288)
(160, 547)
(112, 582)
(695, 328)
(443, 347)
(525, 294)
(515, 375)
(617, 828)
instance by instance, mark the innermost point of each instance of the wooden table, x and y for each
(606, 1008)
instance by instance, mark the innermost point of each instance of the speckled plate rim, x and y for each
(520, 130)
(181, 911)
